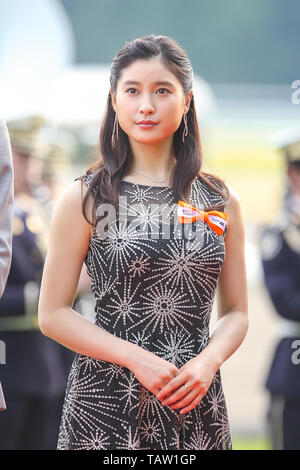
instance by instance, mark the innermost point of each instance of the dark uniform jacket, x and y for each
(35, 364)
(280, 249)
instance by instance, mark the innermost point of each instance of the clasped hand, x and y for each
(189, 386)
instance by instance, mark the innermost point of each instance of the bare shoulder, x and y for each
(234, 210)
(234, 201)
(68, 207)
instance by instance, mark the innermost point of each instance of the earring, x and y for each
(116, 125)
(185, 131)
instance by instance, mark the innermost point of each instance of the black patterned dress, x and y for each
(154, 282)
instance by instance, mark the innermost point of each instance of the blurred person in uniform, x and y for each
(36, 368)
(6, 217)
(280, 252)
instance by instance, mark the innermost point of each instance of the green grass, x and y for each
(250, 443)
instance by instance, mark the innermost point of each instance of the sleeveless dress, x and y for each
(158, 293)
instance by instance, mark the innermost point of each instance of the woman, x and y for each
(147, 375)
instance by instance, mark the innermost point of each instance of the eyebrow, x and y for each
(161, 82)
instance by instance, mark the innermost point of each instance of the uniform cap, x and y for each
(25, 136)
(288, 141)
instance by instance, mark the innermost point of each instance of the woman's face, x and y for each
(147, 90)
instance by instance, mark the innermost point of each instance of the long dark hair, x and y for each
(115, 154)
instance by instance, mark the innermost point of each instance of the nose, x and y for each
(146, 106)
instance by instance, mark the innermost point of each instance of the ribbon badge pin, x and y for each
(217, 220)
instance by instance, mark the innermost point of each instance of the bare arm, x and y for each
(69, 239)
(232, 324)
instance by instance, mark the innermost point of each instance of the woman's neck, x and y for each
(155, 161)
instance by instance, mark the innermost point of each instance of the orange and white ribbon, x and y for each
(217, 220)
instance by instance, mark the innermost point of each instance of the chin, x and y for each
(147, 139)
(150, 139)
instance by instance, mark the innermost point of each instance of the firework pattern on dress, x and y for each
(158, 293)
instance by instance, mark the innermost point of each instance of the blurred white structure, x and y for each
(36, 44)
